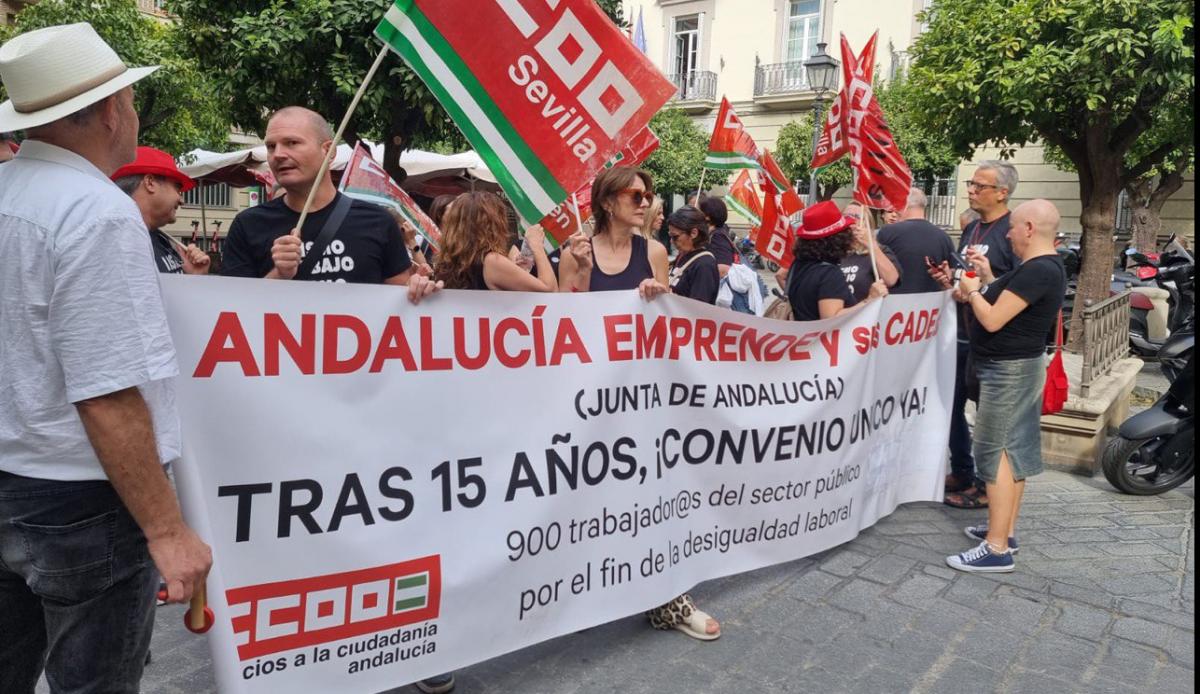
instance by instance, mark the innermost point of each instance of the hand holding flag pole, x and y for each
(337, 138)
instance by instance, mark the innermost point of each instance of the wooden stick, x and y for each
(700, 188)
(196, 608)
(337, 137)
(578, 214)
(866, 219)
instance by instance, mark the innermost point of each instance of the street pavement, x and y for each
(1102, 601)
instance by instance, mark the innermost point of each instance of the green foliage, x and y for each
(677, 163)
(794, 150)
(927, 152)
(1080, 74)
(176, 104)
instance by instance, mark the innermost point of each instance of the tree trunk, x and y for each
(1148, 196)
(1095, 278)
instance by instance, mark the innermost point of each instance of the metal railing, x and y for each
(780, 78)
(214, 195)
(1105, 338)
(698, 85)
(941, 201)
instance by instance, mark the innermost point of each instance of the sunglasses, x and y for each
(638, 196)
(972, 185)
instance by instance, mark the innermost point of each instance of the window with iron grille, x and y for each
(215, 195)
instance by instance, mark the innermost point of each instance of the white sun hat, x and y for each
(54, 72)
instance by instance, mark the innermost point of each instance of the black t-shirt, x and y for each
(367, 249)
(914, 240)
(720, 244)
(810, 282)
(166, 257)
(1042, 283)
(991, 239)
(700, 281)
(860, 275)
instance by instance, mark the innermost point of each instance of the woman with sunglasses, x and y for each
(621, 258)
(618, 258)
(694, 273)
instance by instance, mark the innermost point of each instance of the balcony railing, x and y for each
(780, 78)
(698, 85)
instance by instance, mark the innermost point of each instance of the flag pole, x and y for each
(337, 137)
(700, 188)
(578, 214)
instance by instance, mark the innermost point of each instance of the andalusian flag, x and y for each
(789, 200)
(546, 93)
(744, 199)
(731, 147)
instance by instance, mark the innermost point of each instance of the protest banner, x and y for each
(546, 93)
(400, 491)
(569, 217)
(365, 179)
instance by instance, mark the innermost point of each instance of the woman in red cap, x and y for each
(816, 286)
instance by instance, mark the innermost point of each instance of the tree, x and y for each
(794, 151)
(677, 163)
(1150, 189)
(1092, 78)
(176, 104)
(315, 53)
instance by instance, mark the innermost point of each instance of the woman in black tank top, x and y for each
(618, 256)
(474, 249)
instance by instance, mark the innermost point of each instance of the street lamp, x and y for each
(822, 73)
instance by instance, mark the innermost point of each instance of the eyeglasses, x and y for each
(638, 196)
(972, 185)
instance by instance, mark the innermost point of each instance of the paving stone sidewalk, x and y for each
(1103, 600)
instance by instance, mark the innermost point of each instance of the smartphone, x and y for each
(960, 261)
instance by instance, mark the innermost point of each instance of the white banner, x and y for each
(395, 491)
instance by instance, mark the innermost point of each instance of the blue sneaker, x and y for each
(982, 560)
(979, 534)
(437, 685)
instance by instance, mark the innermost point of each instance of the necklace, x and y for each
(981, 232)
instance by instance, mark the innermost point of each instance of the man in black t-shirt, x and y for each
(157, 186)
(916, 243)
(368, 246)
(988, 192)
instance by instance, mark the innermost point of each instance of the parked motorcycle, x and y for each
(1173, 271)
(1153, 451)
(753, 258)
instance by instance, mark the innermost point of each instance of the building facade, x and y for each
(753, 51)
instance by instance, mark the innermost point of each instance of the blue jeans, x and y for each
(77, 588)
(962, 463)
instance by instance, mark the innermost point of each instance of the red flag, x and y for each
(790, 201)
(365, 179)
(730, 147)
(856, 125)
(563, 220)
(775, 236)
(744, 199)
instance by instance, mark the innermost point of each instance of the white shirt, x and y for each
(81, 314)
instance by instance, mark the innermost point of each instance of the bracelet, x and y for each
(972, 293)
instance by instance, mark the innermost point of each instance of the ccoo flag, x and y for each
(744, 200)
(789, 200)
(731, 147)
(545, 92)
(364, 179)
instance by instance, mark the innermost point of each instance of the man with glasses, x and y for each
(984, 240)
(157, 186)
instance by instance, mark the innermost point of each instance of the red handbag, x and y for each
(1057, 386)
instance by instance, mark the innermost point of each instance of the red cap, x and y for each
(155, 162)
(823, 219)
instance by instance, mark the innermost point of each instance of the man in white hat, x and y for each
(88, 519)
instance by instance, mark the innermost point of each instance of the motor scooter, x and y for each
(1173, 275)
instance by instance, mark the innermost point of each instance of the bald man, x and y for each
(1008, 321)
(366, 247)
